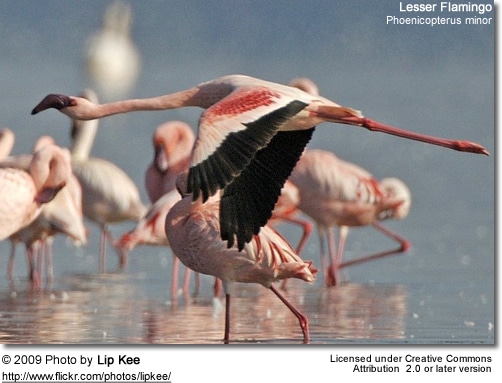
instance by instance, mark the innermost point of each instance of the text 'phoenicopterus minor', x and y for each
(245, 116)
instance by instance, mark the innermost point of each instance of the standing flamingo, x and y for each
(334, 192)
(112, 61)
(286, 210)
(62, 215)
(335, 184)
(172, 145)
(24, 192)
(150, 231)
(250, 137)
(109, 195)
(193, 230)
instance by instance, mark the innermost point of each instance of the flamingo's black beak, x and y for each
(56, 101)
(160, 159)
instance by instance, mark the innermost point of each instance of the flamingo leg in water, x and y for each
(47, 248)
(174, 279)
(105, 237)
(186, 281)
(226, 337)
(33, 276)
(404, 246)
(332, 268)
(102, 250)
(40, 256)
(197, 283)
(322, 249)
(10, 266)
(302, 319)
(217, 287)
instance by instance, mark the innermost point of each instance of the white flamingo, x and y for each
(109, 195)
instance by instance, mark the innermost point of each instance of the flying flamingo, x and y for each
(62, 215)
(338, 193)
(250, 137)
(193, 230)
(109, 195)
(172, 145)
(24, 192)
(112, 61)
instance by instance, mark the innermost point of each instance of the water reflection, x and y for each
(356, 311)
(116, 308)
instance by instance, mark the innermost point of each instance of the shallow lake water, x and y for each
(404, 301)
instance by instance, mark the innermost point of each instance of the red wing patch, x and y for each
(244, 100)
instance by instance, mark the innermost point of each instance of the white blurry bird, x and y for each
(112, 61)
(109, 194)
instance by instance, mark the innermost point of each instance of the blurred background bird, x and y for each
(112, 61)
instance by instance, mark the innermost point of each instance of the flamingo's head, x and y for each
(78, 108)
(396, 190)
(173, 142)
(56, 101)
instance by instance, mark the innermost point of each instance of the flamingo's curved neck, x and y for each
(84, 139)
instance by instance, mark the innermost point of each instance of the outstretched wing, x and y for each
(231, 132)
(248, 201)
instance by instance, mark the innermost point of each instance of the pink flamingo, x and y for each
(193, 230)
(24, 192)
(109, 195)
(286, 210)
(250, 136)
(320, 176)
(62, 215)
(150, 230)
(172, 145)
(334, 192)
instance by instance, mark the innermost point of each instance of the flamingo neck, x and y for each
(84, 139)
(50, 168)
(170, 101)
